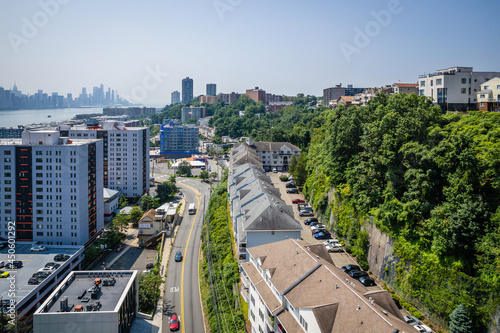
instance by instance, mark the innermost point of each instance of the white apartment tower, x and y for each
(454, 88)
(51, 188)
(125, 154)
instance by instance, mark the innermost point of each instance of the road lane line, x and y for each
(198, 195)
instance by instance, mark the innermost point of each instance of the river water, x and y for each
(13, 118)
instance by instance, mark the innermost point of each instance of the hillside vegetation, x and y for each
(429, 180)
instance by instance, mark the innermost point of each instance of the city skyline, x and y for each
(305, 47)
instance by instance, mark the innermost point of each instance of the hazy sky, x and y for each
(284, 47)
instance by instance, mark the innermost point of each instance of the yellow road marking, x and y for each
(198, 195)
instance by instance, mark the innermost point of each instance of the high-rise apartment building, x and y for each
(187, 90)
(454, 88)
(125, 154)
(176, 139)
(257, 95)
(175, 97)
(52, 188)
(211, 89)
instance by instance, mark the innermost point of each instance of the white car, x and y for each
(47, 269)
(423, 328)
(318, 226)
(331, 241)
(38, 248)
(334, 248)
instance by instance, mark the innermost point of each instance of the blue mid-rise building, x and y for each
(179, 140)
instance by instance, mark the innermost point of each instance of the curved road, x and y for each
(182, 292)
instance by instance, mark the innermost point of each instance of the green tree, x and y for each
(149, 291)
(135, 215)
(204, 175)
(147, 203)
(120, 223)
(213, 175)
(460, 321)
(166, 191)
(297, 168)
(184, 168)
(172, 178)
(123, 202)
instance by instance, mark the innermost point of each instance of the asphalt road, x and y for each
(182, 292)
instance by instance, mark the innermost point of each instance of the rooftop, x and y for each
(113, 286)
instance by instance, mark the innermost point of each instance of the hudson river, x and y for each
(13, 118)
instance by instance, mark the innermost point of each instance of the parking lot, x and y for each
(339, 258)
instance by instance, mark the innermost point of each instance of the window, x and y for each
(432, 83)
(303, 323)
(463, 90)
(439, 82)
(486, 87)
(261, 315)
(498, 87)
(464, 81)
(7, 152)
(422, 83)
(7, 174)
(252, 299)
(251, 314)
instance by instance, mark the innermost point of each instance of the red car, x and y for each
(174, 322)
(296, 201)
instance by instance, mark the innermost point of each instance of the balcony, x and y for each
(269, 320)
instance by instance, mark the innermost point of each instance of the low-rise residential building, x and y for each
(454, 88)
(488, 98)
(405, 88)
(209, 99)
(277, 106)
(273, 155)
(333, 94)
(293, 286)
(258, 213)
(90, 301)
(111, 198)
(346, 101)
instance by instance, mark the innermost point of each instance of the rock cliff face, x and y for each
(381, 259)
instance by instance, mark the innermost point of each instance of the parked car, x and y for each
(367, 281)
(410, 320)
(2, 264)
(336, 247)
(310, 220)
(331, 241)
(314, 223)
(348, 268)
(423, 328)
(14, 264)
(306, 213)
(150, 266)
(178, 256)
(357, 274)
(53, 265)
(318, 226)
(322, 235)
(296, 201)
(47, 269)
(290, 186)
(35, 280)
(4, 274)
(292, 191)
(315, 231)
(174, 322)
(38, 248)
(274, 170)
(41, 274)
(61, 257)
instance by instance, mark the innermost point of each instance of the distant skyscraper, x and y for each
(187, 90)
(211, 89)
(175, 97)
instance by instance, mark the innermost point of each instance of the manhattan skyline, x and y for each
(286, 47)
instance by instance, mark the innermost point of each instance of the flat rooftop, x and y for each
(84, 280)
(32, 262)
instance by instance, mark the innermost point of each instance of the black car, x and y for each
(357, 274)
(52, 264)
(292, 191)
(290, 186)
(311, 220)
(35, 280)
(367, 281)
(178, 256)
(348, 268)
(61, 257)
(150, 266)
(14, 264)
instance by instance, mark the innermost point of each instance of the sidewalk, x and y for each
(146, 324)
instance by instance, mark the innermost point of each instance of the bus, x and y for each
(191, 209)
